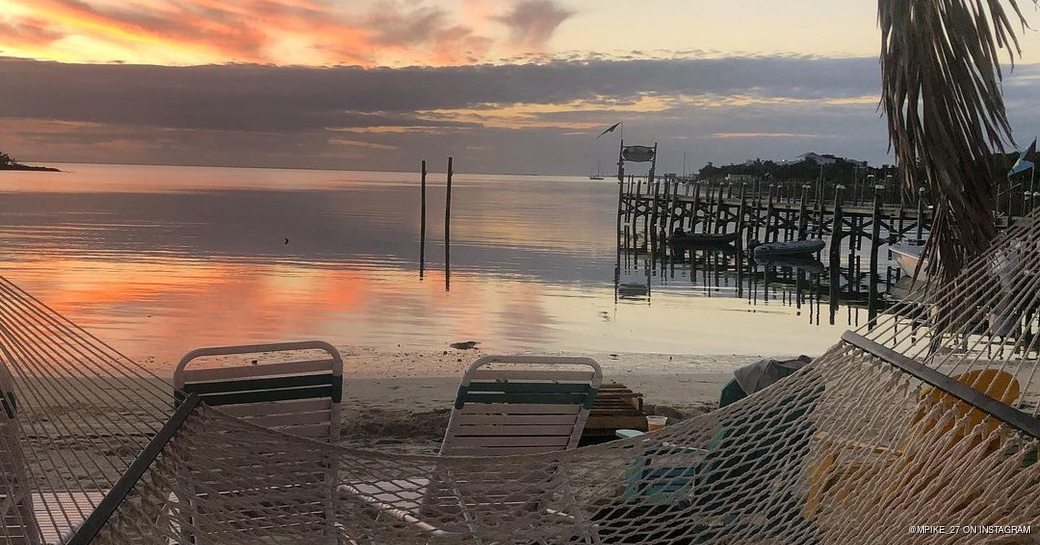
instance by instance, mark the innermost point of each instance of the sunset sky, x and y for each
(504, 85)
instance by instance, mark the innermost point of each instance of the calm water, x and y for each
(158, 260)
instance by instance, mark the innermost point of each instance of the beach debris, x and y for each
(616, 407)
(464, 345)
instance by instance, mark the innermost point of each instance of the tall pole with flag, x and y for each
(621, 161)
(653, 166)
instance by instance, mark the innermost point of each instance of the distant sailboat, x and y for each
(599, 173)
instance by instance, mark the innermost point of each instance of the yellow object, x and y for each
(999, 385)
(829, 478)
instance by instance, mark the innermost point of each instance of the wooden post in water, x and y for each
(422, 224)
(901, 225)
(819, 215)
(672, 208)
(696, 206)
(715, 206)
(875, 241)
(757, 214)
(633, 212)
(447, 228)
(740, 222)
(770, 229)
(666, 205)
(803, 219)
(646, 218)
(620, 210)
(835, 253)
(652, 226)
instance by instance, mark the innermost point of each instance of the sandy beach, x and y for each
(403, 398)
(394, 401)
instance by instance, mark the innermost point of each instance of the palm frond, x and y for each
(941, 94)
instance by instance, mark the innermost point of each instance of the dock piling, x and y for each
(422, 222)
(835, 253)
(447, 228)
(875, 242)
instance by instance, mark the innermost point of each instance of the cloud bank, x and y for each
(536, 118)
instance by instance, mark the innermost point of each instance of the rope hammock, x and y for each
(928, 416)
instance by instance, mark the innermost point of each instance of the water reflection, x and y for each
(726, 270)
(158, 260)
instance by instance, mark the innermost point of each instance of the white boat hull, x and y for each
(907, 257)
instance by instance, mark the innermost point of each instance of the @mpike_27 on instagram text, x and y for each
(980, 529)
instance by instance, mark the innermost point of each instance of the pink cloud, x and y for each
(305, 32)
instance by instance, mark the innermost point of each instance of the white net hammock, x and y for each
(927, 417)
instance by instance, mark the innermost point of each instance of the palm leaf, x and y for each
(946, 118)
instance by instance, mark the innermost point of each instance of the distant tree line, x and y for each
(806, 170)
(841, 171)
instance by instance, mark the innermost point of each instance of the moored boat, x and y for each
(684, 239)
(907, 257)
(793, 248)
(807, 264)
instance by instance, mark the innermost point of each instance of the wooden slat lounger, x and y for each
(506, 405)
(279, 386)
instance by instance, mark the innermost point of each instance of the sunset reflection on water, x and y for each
(198, 256)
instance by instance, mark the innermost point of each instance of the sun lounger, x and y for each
(297, 396)
(521, 405)
(505, 406)
(17, 517)
(293, 388)
(29, 516)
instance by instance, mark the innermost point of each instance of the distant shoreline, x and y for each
(314, 169)
(29, 168)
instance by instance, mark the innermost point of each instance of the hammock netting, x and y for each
(856, 447)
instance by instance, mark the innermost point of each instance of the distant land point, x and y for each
(8, 163)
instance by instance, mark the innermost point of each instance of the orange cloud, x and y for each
(29, 32)
(285, 32)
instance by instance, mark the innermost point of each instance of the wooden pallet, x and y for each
(616, 407)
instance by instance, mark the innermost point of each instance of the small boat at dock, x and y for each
(807, 264)
(907, 257)
(688, 240)
(794, 248)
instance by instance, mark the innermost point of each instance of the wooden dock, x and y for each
(853, 220)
